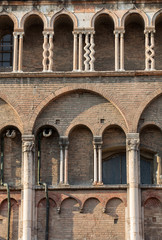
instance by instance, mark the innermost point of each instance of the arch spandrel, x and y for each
(63, 11)
(107, 12)
(154, 18)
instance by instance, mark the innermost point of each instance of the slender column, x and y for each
(80, 52)
(92, 52)
(66, 165)
(159, 170)
(122, 51)
(132, 146)
(95, 164)
(15, 34)
(99, 164)
(20, 51)
(116, 50)
(45, 51)
(51, 46)
(61, 165)
(75, 51)
(87, 52)
(152, 55)
(146, 50)
(28, 145)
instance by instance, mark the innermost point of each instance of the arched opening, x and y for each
(63, 44)
(14, 219)
(33, 42)
(134, 44)
(11, 152)
(41, 220)
(80, 156)
(151, 152)
(47, 155)
(6, 44)
(158, 40)
(114, 156)
(104, 43)
(152, 218)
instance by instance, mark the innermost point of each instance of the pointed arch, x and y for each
(108, 12)
(63, 11)
(37, 13)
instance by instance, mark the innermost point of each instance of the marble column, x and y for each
(15, 59)
(28, 145)
(75, 45)
(116, 33)
(20, 51)
(134, 206)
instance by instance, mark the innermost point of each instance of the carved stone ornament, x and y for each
(28, 146)
(133, 144)
(11, 133)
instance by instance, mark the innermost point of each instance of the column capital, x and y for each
(64, 141)
(149, 30)
(28, 143)
(119, 31)
(97, 140)
(16, 34)
(132, 141)
(84, 31)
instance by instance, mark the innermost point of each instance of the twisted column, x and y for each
(20, 51)
(149, 50)
(51, 46)
(87, 52)
(15, 60)
(28, 145)
(132, 147)
(92, 52)
(45, 52)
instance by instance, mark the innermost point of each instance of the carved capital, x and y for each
(28, 146)
(132, 141)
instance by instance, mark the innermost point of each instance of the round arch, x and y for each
(75, 125)
(69, 89)
(109, 125)
(143, 106)
(146, 124)
(114, 198)
(44, 125)
(12, 17)
(34, 12)
(10, 125)
(139, 12)
(105, 11)
(63, 11)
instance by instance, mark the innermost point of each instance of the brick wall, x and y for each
(134, 47)
(33, 46)
(95, 222)
(63, 44)
(152, 219)
(14, 220)
(50, 155)
(104, 44)
(80, 156)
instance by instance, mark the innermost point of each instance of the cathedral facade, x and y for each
(81, 120)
